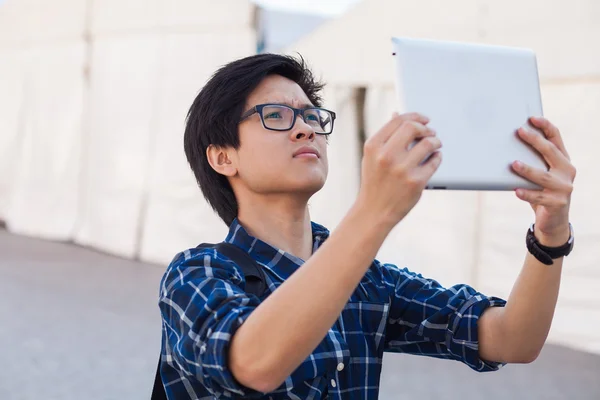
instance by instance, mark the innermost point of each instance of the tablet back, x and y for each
(476, 96)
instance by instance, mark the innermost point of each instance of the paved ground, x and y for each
(77, 324)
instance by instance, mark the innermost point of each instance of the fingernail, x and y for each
(519, 192)
(518, 164)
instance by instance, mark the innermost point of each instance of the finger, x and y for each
(542, 198)
(426, 171)
(545, 179)
(406, 134)
(423, 149)
(420, 118)
(393, 124)
(551, 132)
(553, 156)
(386, 131)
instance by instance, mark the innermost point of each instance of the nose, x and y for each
(302, 131)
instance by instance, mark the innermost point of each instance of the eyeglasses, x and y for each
(277, 117)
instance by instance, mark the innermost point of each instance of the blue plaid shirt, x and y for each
(203, 303)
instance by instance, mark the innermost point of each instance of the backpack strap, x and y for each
(158, 390)
(256, 284)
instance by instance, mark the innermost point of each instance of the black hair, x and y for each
(214, 116)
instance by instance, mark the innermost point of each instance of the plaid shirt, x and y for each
(203, 303)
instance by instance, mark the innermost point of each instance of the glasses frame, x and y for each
(257, 109)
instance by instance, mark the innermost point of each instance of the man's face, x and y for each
(266, 159)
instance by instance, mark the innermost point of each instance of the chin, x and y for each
(293, 182)
(310, 187)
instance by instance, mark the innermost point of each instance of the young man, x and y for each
(256, 140)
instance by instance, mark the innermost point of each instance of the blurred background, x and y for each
(96, 195)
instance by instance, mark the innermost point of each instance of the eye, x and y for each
(273, 115)
(312, 117)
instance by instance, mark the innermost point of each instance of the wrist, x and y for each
(370, 220)
(555, 239)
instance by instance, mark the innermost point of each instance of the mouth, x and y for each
(306, 152)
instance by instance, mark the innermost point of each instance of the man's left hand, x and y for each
(551, 203)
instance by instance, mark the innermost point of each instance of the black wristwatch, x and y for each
(546, 254)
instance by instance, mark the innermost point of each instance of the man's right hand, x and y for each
(394, 177)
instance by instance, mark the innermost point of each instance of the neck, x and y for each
(281, 221)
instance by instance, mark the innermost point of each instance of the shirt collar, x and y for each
(281, 263)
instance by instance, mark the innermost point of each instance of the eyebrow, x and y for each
(285, 103)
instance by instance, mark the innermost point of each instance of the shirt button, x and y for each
(333, 383)
(340, 367)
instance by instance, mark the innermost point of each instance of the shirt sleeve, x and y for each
(202, 306)
(430, 320)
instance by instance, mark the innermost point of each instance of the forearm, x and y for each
(289, 324)
(522, 326)
(530, 308)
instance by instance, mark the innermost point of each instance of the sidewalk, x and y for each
(78, 324)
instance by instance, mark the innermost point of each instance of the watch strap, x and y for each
(546, 254)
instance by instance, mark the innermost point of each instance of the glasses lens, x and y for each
(278, 117)
(320, 120)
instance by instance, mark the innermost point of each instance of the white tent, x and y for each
(478, 238)
(42, 58)
(94, 96)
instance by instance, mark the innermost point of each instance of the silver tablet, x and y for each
(476, 96)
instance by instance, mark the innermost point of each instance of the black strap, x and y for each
(256, 284)
(158, 390)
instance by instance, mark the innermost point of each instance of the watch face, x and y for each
(572, 237)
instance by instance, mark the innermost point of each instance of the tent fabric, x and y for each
(479, 237)
(42, 55)
(122, 106)
(356, 48)
(176, 216)
(148, 64)
(45, 169)
(172, 49)
(31, 23)
(94, 96)
(123, 17)
(330, 204)
(11, 103)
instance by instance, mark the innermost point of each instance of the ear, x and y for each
(222, 160)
